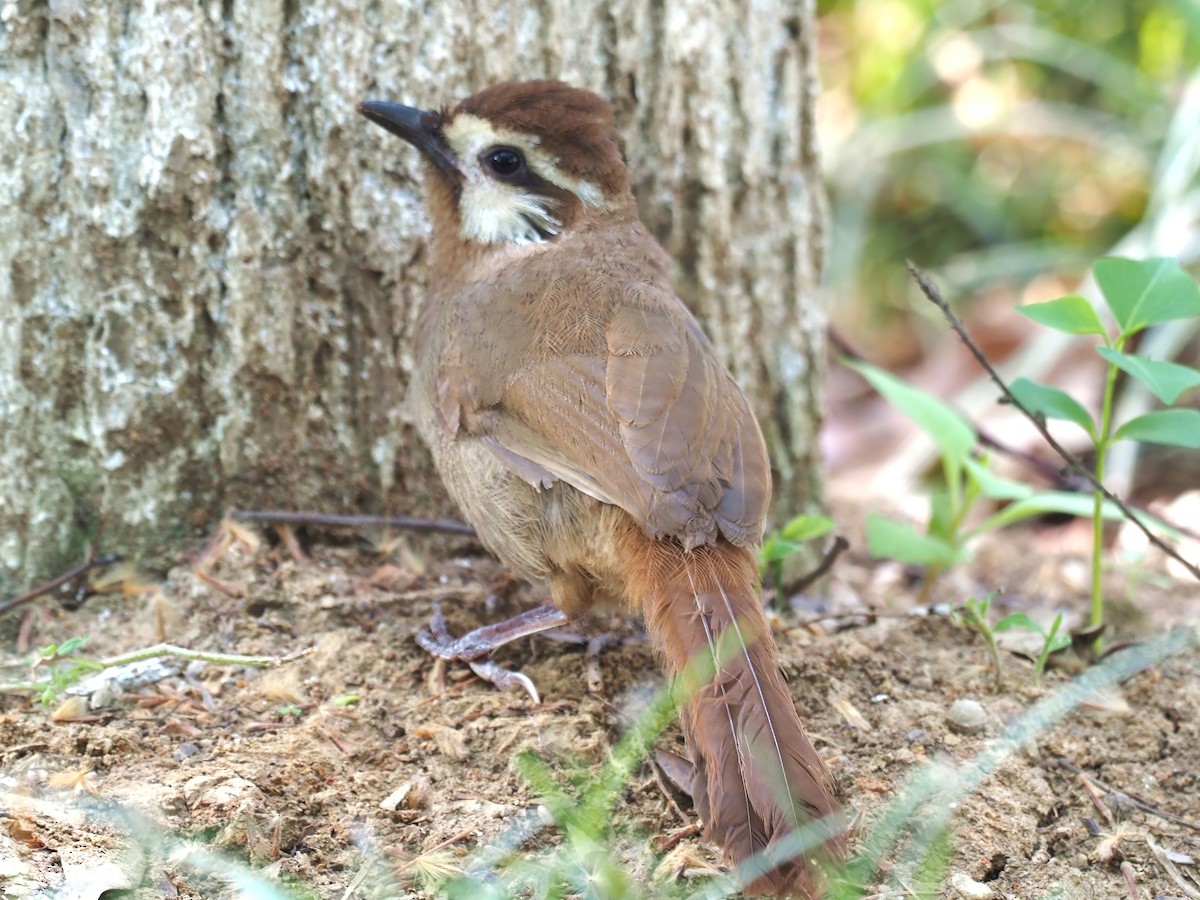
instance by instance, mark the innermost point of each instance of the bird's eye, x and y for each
(503, 161)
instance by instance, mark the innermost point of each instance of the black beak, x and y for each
(420, 127)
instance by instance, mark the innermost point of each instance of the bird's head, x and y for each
(520, 163)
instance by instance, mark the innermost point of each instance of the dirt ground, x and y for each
(351, 773)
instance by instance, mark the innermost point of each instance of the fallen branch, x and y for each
(328, 520)
(86, 566)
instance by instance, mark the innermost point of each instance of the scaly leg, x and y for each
(474, 646)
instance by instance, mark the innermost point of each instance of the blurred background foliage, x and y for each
(1002, 145)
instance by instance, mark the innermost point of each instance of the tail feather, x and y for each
(758, 777)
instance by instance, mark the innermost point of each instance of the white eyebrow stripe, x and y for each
(470, 135)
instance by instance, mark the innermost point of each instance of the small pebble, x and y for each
(967, 717)
(968, 887)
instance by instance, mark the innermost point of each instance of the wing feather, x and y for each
(637, 411)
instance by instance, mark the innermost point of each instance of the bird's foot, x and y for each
(475, 647)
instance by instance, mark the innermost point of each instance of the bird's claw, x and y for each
(474, 650)
(505, 679)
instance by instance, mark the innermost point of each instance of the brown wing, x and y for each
(628, 403)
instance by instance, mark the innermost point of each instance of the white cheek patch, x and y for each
(497, 213)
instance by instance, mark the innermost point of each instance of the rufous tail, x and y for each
(758, 778)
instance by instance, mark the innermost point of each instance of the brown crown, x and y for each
(574, 125)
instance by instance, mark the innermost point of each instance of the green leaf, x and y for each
(1018, 620)
(994, 486)
(889, 539)
(1072, 314)
(1052, 404)
(806, 528)
(1176, 427)
(1046, 502)
(776, 548)
(947, 429)
(1146, 291)
(1057, 640)
(941, 517)
(1167, 380)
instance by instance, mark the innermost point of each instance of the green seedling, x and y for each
(788, 541)
(1139, 294)
(966, 479)
(64, 666)
(1053, 639)
(975, 615)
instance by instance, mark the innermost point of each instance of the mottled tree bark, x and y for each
(209, 263)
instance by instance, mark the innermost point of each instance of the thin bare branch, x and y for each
(839, 546)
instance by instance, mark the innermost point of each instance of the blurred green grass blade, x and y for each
(1013, 40)
(1173, 427)
(1166, 380)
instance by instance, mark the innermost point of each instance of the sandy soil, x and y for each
(340, 772)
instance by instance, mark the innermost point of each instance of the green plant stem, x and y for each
(1047, 648)
(977, 618)
(1103, 440)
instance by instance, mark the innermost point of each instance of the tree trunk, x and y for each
(209, 263)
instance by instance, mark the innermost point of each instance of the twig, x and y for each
(934, 296)
(215, 658)
(461, 836)
(1141, 804)
(1130, 880)
(1052, 473)
(277, 517)
(85, 566)
(840, 545)
(1164, 860)
(208, 656)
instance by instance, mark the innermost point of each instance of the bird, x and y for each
(582, 422)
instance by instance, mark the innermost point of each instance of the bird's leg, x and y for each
(474, 647)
